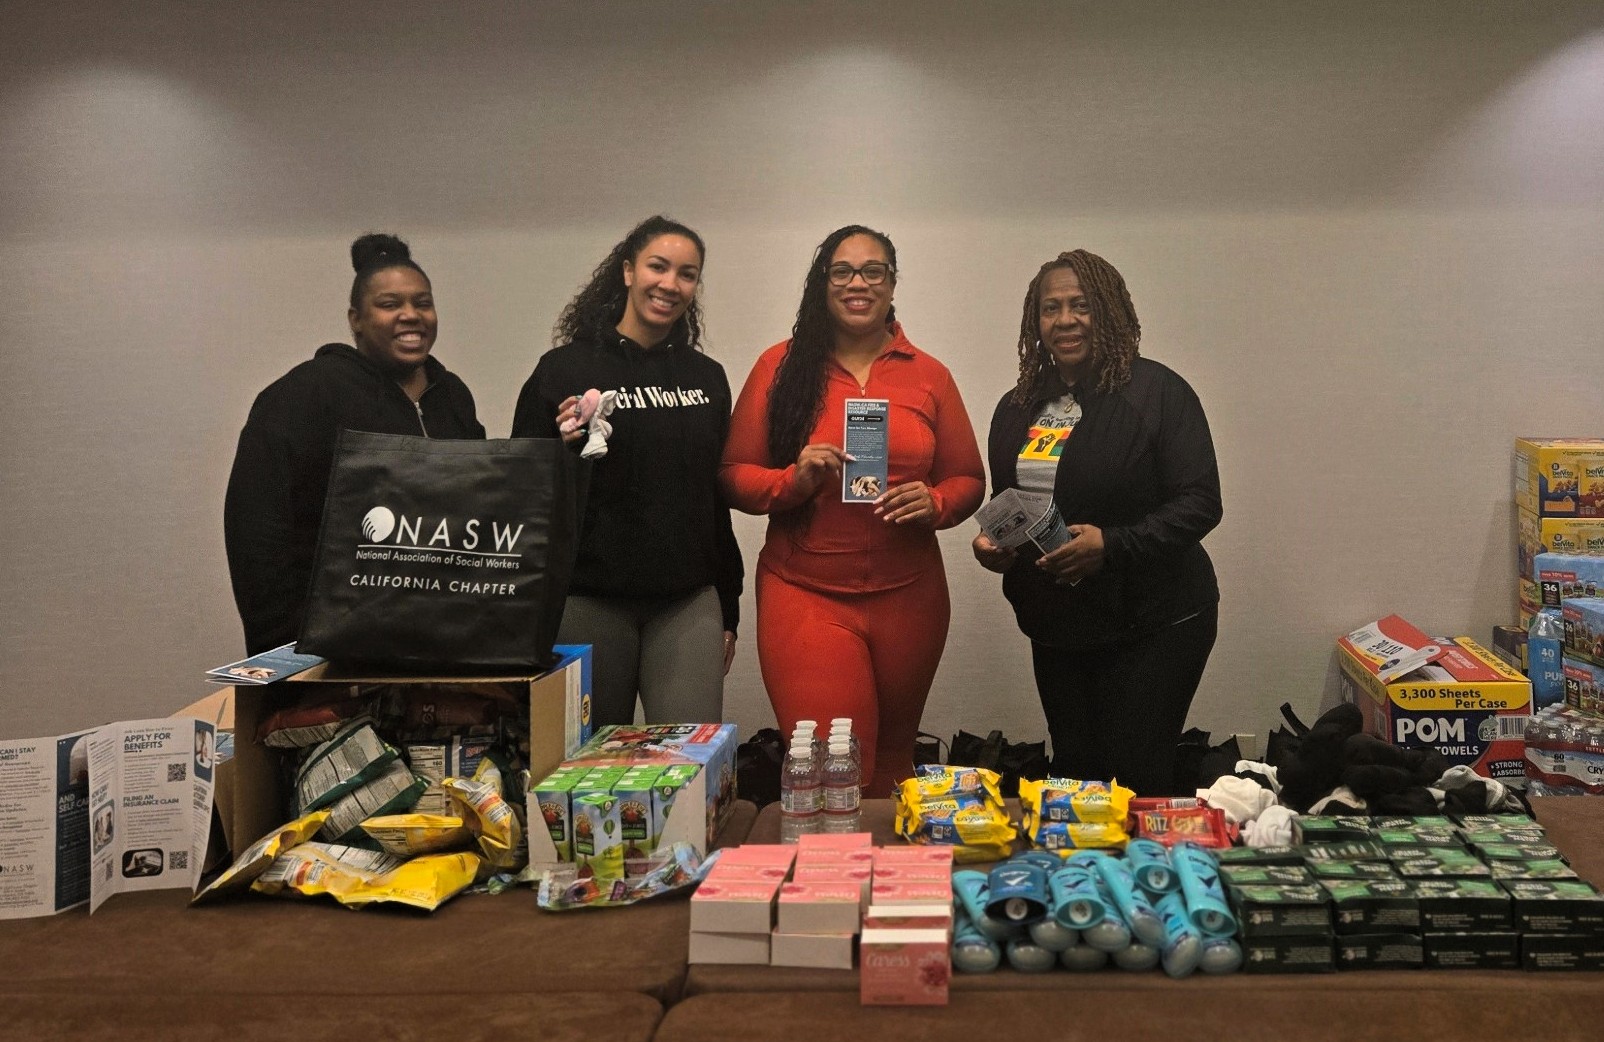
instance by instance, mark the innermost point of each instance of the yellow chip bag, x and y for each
(312, 869)
(408, 835)
(490, 817)
(259, 855)
(424, 882)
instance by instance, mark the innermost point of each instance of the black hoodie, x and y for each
(655, 522)
(274, 505)
(1141, 467)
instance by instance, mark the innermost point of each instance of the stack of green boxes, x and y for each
(1483, 892)
(589, 810)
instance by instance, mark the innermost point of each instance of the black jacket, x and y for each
(655, 523)
(276, 490)
(1140, 466)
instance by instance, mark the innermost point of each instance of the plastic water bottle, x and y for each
(841, 726)
(809, 730)
(1545, 641)
(842, 791)
(801, 792)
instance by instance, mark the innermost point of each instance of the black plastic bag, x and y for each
(437, 553)
(1011, 760)
(757, 767)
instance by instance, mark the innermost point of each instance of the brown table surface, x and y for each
(153, 943)
(1575, 825)
(458, 1010)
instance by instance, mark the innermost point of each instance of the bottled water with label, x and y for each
(801, 792)
(841, 726)
(842, 788)
(1544, 665)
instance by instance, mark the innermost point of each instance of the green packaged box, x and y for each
(1555, 906)
(1280, 911)
(1302, 953)
(1463, 906)
(1266, 875)
(1532, 870)
(1373, 907)
(1377, 870)
(1562, 951)
(1383, 951)
(1444, 862)
(1317, 829)
(1276, 855)
(550, 800)
(1487, 950)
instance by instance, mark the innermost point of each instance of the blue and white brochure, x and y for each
(266, 668)
(868, 448)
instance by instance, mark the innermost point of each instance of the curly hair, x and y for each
(1116, 333)
(373, 253)
(796, 398)
(595, 311)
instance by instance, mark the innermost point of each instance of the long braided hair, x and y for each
(796, 398)
(594, 313)
(1116, 333)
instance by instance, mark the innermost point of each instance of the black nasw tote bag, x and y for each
(443, 555)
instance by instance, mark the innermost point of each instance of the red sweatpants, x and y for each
(870, 656)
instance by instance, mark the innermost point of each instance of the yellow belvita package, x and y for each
(425, 882)
(409, 835)
(975, 825)
(939, 779)
(1072, 800)
(261, 854)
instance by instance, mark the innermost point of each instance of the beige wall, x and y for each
(1370, 234)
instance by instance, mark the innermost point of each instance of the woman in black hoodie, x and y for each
(387, 384)
(1122, 616)
(657, 584)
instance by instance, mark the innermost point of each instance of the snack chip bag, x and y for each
(259, 855)
(312, 869)
(408, 835)
(355, 756)
(489, 816)
(424, 882)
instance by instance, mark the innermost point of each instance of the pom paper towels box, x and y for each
(1451, 695)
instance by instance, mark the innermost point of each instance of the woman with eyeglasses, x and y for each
(657, 583)
(1123, 615)
(852, 605)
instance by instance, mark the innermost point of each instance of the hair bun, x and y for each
(377, 248)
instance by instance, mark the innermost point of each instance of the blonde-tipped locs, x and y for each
(1116, 333)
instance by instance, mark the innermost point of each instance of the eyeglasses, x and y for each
(873, 273)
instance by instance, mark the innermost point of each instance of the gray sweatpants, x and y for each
(671, 651)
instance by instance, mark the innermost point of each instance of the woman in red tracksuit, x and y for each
(852, 606)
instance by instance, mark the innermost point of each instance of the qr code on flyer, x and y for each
(177, 772)
(178, 859)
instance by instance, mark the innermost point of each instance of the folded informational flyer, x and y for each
(123, 807)
(868, 449)
(279, 664)
(1014, 518)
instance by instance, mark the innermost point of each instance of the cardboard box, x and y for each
(1295, 953)
(712, 746)
(1556, 906)
(912, 855)
(746, 949)
(909, 917)
(758, 854)
(559, 702)
(1584, 686)
(833, 841)
(729, 872)
(828, 908)
(1370, 951)
(816, 951)
(1466, 704)
(915, 893)
(1584, 628)
(1554, 535)
(1562, 952)
(1563, 576)
(904, 967)
(1485, 950)
(734, 907)
(1560, 476)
